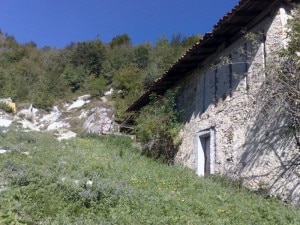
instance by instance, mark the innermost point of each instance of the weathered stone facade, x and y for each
(227, 128)
(232, 123)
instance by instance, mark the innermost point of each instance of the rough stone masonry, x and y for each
(228, 129)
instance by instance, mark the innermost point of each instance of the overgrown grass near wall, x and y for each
(104, 180)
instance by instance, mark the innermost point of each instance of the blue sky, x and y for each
(56, 23)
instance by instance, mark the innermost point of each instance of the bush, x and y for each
(6, 107)
(158, 127)
(284, 88)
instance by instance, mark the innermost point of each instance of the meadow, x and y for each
(106, 180)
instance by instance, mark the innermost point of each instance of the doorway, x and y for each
(205, 152)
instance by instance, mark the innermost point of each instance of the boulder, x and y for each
(81, 101)
(28, 113)
(5, 119)
(65, 134)
(100, 121)
(5, 122)
(109, 92)
(53, 120)
(84, 97)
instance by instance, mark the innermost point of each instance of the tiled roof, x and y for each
(229, 28)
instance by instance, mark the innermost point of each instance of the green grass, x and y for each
(52, 185)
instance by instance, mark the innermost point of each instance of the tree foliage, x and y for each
(43, 76)
(120, 40)
(128, 80)
(157, 127)
(89, 55)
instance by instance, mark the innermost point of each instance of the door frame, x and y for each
(200, 152)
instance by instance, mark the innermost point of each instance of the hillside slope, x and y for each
(105, 180)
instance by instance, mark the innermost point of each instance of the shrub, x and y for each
(4, 106)
(284, 88)
(158, 127)
(26, 137)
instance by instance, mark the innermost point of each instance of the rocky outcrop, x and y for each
(5, 120)
(100, 121)
(83, 115)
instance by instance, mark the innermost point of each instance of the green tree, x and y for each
(53, 68)
(95, 85)
(177, 39)
(120, 40)
(75, 76)
(188, 42)
(43, 76)
(140, 55)
(88, 55)
(128, 80)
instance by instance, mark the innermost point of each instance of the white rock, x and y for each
(58, 125)
(65, 135)
(103, 99)
(32, 109)
(109, 92)
(100, 121)
(29, 125)
(5, 122)
(28, 114)
(89, 183)
(2, 188)
(5, 100)
(50, 119)
(77, 104)
(84, 97)
(83, 114)
(2, 151)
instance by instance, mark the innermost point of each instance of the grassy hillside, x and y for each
(104, 180)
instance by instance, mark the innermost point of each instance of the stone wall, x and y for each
(226, 101)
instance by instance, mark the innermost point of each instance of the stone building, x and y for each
(228, 128)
